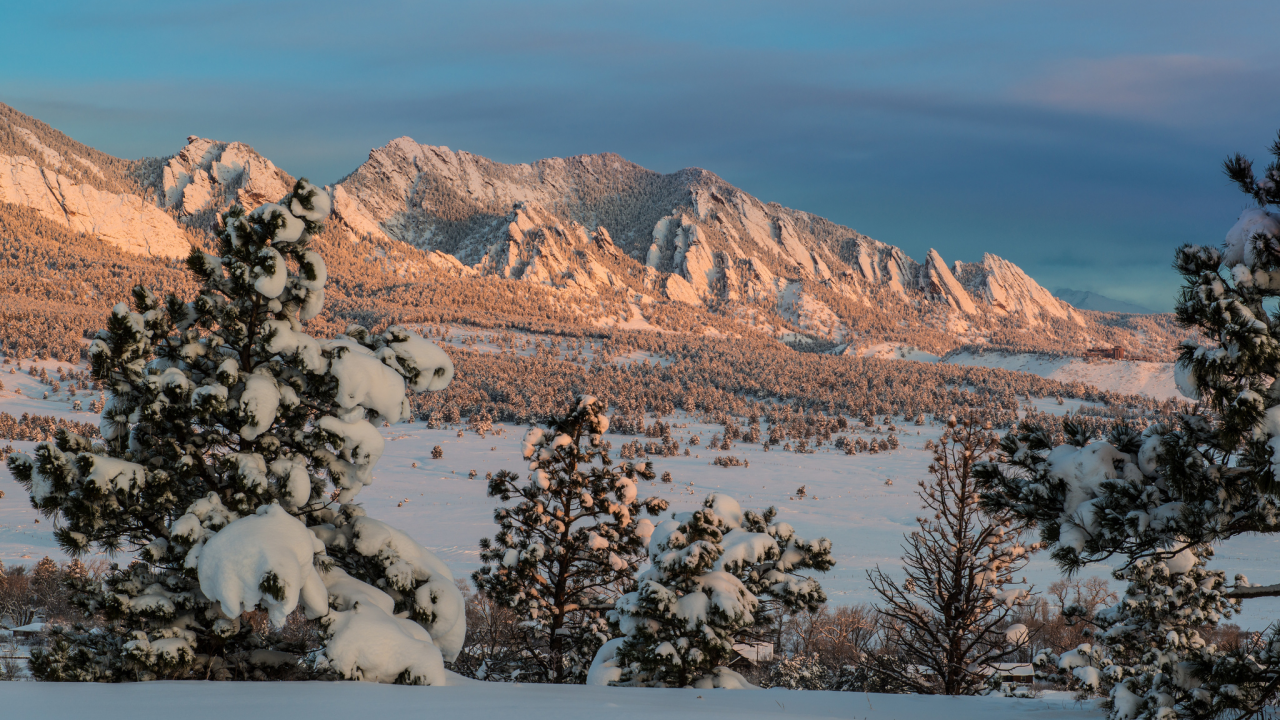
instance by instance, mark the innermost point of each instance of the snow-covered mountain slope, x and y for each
(81, 188)
(720, 242)
(685, 248)
(691, 238)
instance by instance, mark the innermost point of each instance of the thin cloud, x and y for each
(1176, 90)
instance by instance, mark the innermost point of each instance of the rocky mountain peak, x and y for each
(589, 226)
(208, 175)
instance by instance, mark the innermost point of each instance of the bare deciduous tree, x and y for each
(952, 610)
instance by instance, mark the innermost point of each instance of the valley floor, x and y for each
(251, 701)
(847, 499)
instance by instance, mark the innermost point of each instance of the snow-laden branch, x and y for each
(1255, 591)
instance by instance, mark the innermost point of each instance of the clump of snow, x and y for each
(424, 364)
(264, 559)
(1184, 377)
(604, 668)
(1083, 470)
(1238, 248)
(288, 228)
(1127, 703)
(364, 381)
(258, 405)
(295, 482)
(284, 340)
(365, 643)
(725, 679)
(109, 474)
(317, 198)
(360, 448)
(271, 273)
(407, 564)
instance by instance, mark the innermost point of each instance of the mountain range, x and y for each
(614, 243)
(1089, 300)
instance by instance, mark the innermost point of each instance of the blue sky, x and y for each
(1081, 140)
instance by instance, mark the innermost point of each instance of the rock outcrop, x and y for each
(1008, 291)
(125, 220)
(211, 175)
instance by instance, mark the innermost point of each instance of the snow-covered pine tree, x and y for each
(1162, 498)
(233, 446)
(950, 613)
(711, 570)
(569, 546)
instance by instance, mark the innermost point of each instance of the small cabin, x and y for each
(1115, 352)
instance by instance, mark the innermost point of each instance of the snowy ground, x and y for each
(1152, 379)
(218, 701)
(1126, 376)
(847, 497)
(897, 351)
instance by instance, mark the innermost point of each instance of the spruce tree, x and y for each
(950, 613)
(1160, 499)
(568, 547)
(711, 571)
(233, 447)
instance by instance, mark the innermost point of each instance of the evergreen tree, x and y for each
(1160, 499)
(711, 570)
(950, 613)
(569, 545)
(233, 446)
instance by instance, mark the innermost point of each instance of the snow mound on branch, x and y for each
(1254, 221)
(312, 291)
(272, 273)
(717, 592)
(345, 591)
(368, 644)
(407, 564)
(1084, 469)
(316, 197)
(288, 227)
(604, 668)
(264, 559)
(362, 446)
(285, 341)
(295, 482)
(744, 548)
(364, 381)
(427, 367)
(1184, 377)
(258, 405)
(114, 474)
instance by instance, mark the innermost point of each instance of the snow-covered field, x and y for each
(218, 701)
(1152, 379)
(1125, 376)
(847, 498)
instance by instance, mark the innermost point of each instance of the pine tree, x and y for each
(712, 571)
(1162, 498)
(568, 546)
(233, 445)
(949, 614)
